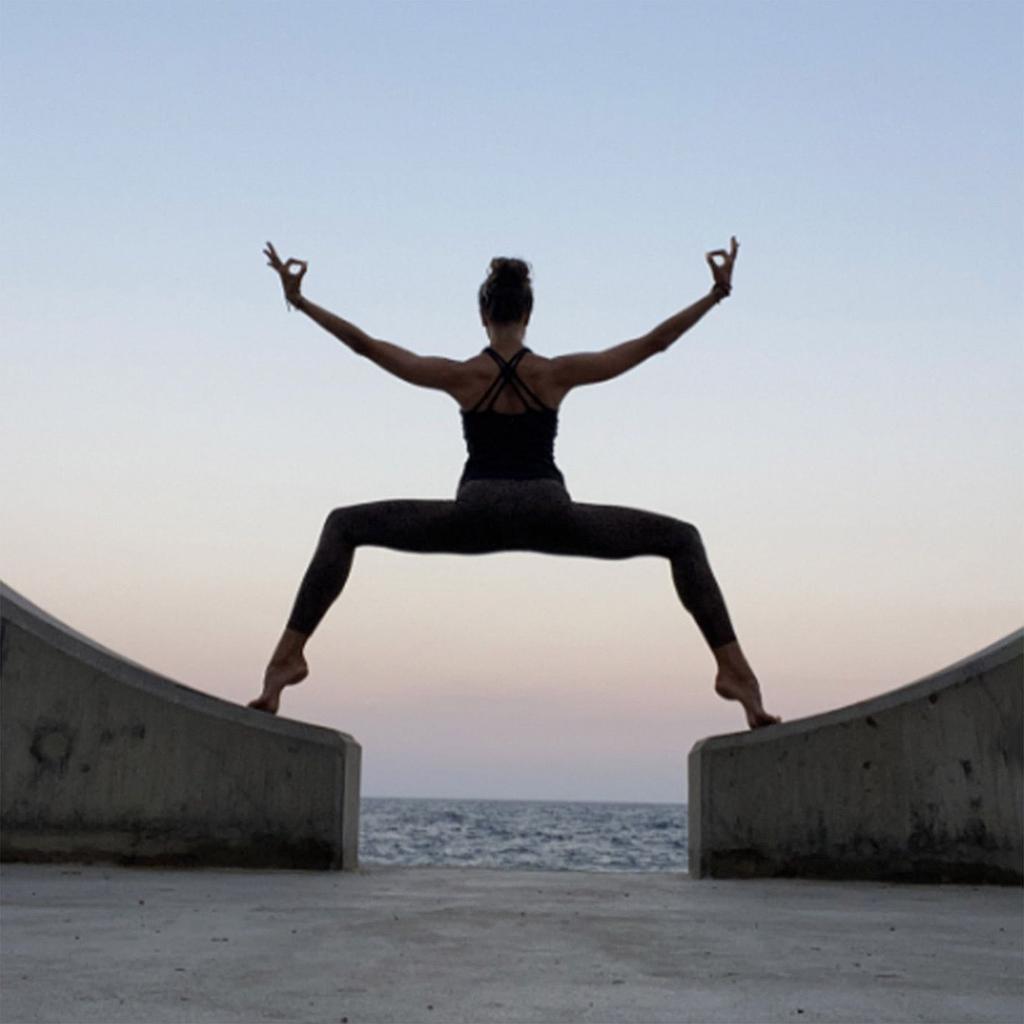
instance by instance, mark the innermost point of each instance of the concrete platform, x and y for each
(448, 945)
(104, 759)
(924, 783)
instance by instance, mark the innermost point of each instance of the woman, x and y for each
(512, 496)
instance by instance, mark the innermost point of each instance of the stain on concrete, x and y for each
(51, 747)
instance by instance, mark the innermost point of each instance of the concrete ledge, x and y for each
(921, 784)
(104, 759)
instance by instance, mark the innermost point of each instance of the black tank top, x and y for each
(510, 446)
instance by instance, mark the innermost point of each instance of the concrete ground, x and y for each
(446, 945)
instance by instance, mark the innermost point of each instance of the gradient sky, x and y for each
(845, 430)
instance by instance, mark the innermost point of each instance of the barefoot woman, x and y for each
(511, 496)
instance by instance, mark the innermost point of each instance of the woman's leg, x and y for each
(529, 516)
(402, 525)
(612, 531)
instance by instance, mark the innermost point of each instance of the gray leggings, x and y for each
(511, 515)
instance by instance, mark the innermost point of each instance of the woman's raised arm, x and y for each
(424, 371)
(571, 371)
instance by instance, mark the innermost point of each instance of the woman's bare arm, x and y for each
(423, 371)
(571, 371)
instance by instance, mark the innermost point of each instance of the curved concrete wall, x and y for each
(104, 759)
(923, 783)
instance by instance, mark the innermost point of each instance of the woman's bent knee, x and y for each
(336, 527)
(687, 538)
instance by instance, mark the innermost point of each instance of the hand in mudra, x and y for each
(723, 272)
(290, 279)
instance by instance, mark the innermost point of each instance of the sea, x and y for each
(523, 834)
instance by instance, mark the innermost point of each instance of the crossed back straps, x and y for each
(507, 376)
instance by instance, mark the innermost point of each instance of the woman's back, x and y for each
(480, 372)
(516, 442)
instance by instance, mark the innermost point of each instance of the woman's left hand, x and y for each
(723, 272)
(292, 282)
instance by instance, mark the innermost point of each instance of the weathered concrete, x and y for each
(923, 784)
(453, 945)
(103, 759)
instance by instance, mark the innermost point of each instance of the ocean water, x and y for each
(524, 834)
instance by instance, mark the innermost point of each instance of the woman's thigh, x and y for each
(420, 525)
(613, 531)
(516, 517)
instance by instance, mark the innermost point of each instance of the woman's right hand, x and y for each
(723, 273)
(291, 281)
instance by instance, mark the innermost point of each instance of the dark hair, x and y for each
(506, 295)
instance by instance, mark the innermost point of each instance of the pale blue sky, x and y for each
(844, 431)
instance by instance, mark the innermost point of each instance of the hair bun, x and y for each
(506, 296)
(507, 270)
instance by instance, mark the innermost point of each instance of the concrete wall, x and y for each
(921, 784)
(103, 759)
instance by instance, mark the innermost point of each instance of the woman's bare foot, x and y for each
(279, 674)
(734, 685)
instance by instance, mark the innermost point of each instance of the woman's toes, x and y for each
(265, 702)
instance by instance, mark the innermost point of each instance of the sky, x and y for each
(845, 430)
